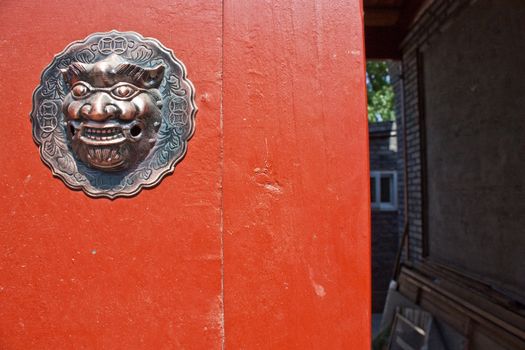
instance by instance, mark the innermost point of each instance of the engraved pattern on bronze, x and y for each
(113, 113)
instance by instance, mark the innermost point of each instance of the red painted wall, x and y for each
(78, 273)
(296, 224)
(268, 211)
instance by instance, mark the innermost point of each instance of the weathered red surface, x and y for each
(131, 273)
(279, 185)
(296, 224)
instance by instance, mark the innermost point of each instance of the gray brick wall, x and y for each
(396, 72)
(432, 22)
(383, 157)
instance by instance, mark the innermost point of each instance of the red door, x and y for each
(260, 238)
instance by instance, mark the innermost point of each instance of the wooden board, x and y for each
(259, 240)
(296, 237)
(78, 273)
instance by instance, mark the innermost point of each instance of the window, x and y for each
(383, 190)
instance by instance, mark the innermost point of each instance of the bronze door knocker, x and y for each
(113, 113)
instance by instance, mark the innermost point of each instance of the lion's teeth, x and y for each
(103, 134)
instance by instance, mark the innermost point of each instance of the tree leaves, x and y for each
(380, 92)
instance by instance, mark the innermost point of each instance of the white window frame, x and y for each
(376, 202)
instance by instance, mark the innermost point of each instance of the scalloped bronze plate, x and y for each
(113, 114)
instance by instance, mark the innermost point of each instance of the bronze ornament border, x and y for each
(51, 138)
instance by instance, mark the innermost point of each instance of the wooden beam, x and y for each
(381, 17)
(409, 11)
(382, 42)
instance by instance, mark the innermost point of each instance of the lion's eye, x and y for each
(79, 90)
(124, 91)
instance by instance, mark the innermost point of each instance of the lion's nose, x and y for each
(99, 110)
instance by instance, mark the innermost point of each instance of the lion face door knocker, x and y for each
(113, 113)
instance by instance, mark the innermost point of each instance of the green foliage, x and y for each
(380, 92)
